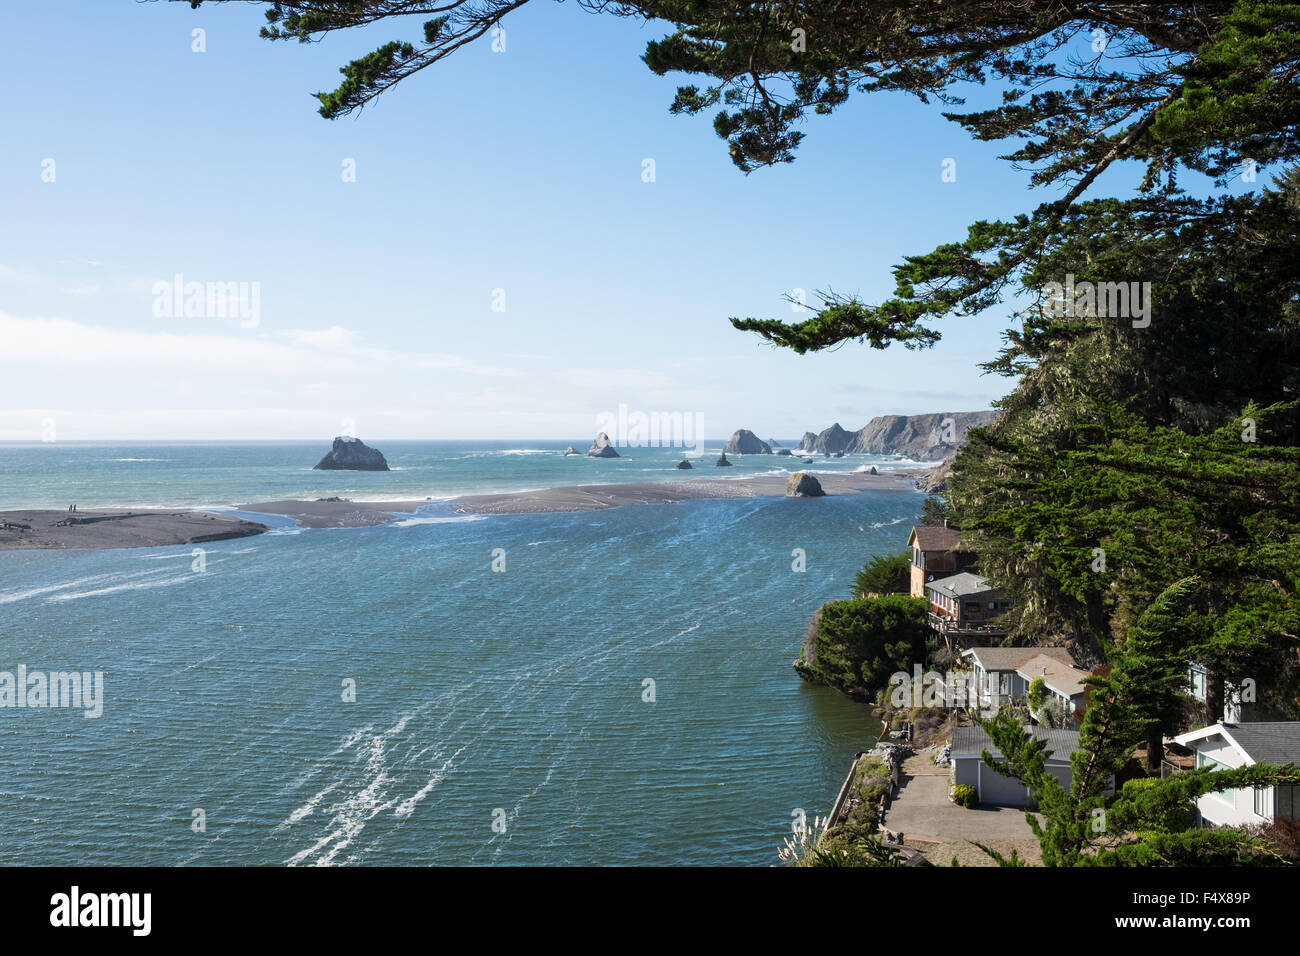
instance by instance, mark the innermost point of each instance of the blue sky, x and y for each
(518, 171)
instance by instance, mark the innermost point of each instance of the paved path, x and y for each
(922, 809)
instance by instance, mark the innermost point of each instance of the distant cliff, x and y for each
(922, 437)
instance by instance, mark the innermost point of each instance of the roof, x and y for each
(1013, 658)
(972, 741)
(935, 537)
(1065, 679)
(1265, 741)
(960, 585)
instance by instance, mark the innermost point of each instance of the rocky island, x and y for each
(352, 454)
(745, 442)
(803, 485)
(602, 447)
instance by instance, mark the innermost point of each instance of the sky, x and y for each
(497, 267)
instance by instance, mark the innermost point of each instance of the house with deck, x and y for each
(1002, 675)
(936, 553)
(1227, 746)
(965, 604)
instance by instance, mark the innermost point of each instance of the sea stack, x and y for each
(803, 485)
(684, 464)
(571, 451)
(745, 442)
(602, 447)
(722, 462)
(352, 454)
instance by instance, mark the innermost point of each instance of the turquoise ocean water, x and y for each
(513, 698)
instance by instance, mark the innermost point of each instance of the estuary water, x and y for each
(617, 691)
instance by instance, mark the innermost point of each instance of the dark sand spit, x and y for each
(334, 513)
(118, 529)
(158, 528)
(595, 497)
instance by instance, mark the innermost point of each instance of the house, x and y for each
(1226, 746)
(1003, 675)
(968, 743)
(965, 603)
(1238, 699)
(936, 553)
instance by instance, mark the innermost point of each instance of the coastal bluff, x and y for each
(352, 454)
(931, 437)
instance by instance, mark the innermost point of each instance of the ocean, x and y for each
(617, 691)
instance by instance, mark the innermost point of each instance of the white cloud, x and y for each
(62, 342)
(335, 337)
(17, 276)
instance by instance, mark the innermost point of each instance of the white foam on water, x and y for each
(458, 519)
(308, 808)
(136, 586)
(93, 579)
(210, 657)
(887, 524)
(407, 806)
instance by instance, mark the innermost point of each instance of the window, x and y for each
(1261, 801)
(1223, 796)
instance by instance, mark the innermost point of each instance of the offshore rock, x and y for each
(352, 454)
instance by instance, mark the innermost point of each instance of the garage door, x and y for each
(1063, 775)
(999, 790)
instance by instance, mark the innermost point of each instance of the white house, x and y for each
(1229, 746)
(1003, 674)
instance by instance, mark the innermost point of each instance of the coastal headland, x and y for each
(118, 528)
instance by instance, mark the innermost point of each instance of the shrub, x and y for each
(965, 796)
(1037, 693)
(884, 574)
(1282, 835)
(1174, 819)
(860, 643)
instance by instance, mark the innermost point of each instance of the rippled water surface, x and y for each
(515, 696)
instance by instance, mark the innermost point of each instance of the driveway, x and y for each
(922, 809)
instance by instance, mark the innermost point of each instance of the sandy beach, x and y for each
(98, 529)
(595, 497)
(334, 513)
(152, 528)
